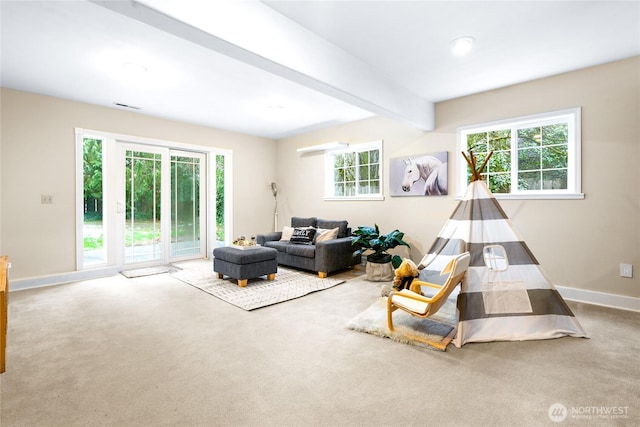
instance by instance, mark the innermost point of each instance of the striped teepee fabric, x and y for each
(518, 304)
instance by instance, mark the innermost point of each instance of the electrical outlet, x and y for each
(46, 199)
(626, 270)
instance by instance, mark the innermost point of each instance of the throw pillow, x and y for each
(322, 235)
(329, 224)
(286, 233)
(303, 236)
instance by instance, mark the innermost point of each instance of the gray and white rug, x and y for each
(260, 292)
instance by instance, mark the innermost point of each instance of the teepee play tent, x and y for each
(513, 303)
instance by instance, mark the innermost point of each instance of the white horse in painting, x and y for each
(431, 170)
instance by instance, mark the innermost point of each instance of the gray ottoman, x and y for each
(244, 264)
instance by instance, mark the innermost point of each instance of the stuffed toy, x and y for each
(405, 273)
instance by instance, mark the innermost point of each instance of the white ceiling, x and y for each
(278, 68)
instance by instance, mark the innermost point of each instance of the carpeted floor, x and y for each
(152, 351)
(288, 284)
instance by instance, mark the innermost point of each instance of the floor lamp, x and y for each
(274, 190)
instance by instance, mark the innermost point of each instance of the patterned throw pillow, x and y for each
(303, 236)
(324, 234)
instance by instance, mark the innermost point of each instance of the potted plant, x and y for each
(380, 263)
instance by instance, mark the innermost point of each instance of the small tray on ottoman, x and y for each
(245, 247)
(242, 265)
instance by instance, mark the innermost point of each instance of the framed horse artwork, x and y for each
(419, 175)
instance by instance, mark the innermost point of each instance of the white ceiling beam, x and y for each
(257, 35)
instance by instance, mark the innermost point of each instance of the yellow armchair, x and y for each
(411, 300)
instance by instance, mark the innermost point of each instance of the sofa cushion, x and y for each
(342, 226)
(297, 221)
(303, 235)
(322, 235)
(240, 256)
(305, 251)
(280, 245)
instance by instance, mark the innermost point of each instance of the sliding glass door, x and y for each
(163, 205)
(141, 203)
(144, 240)
(187, 201)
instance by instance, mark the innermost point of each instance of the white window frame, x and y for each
(328, 171)
(571, 116)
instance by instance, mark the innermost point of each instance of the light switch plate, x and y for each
(626, 270)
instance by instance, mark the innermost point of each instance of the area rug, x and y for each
(148, 271)
(436, 333)
(260, 292)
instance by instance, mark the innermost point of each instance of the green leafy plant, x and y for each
(369, 238)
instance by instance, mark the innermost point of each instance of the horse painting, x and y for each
(429, 169)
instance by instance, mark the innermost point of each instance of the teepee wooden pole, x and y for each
(485, 162)
(471, 161)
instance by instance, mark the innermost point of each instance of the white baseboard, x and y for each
(620, 302)
(58, 279)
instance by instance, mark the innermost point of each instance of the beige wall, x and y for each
(37, 154)
(580, 243)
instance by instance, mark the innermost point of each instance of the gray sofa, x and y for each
(323, 257)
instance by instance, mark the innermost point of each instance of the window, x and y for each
(93, 229)
(533, 157)
(354, 173)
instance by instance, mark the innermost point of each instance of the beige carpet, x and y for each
(288, 284)
(153, 351)
(436, 333)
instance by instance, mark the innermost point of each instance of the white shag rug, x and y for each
(436, 331)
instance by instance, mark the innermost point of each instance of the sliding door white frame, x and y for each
(110, 204)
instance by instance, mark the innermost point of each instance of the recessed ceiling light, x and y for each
(275, 110)
(462, 45)
(134, 70)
